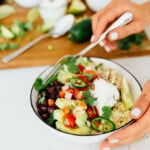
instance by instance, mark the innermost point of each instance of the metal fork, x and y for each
(121, 21)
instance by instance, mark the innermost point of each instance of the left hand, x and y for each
(136, 131)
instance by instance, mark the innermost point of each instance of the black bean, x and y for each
(39, 111)
(45, 115)
(50, 89)
(51, 109)
(43, 109)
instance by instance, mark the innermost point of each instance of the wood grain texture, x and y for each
(40, 55)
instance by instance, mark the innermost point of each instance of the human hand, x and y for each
(115, 9)
(134, 132)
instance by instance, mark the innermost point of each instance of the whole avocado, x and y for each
(81, 32)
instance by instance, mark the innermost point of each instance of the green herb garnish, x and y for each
(71, 64)
(99, 65)
(50, 119)
(42, 99)
(88, 99)
(106, 111)
(89, 76)
(39, 85)
(134, 39)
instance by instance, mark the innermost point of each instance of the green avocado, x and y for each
(81, 32)
(79, 131)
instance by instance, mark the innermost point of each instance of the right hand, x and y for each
(109, 14)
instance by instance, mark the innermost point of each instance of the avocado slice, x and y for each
(126, 96)
(79, 130)
(77, 7)
(6, 33)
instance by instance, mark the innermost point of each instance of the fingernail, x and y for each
(92, 38)
(107, 48)
(106, 148)
(101, 43)
(136, 112)
(114, 36)
(114, 141)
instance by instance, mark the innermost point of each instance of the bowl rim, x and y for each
(125, 125)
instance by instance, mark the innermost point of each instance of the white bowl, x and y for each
(135, 90)
(97, 5)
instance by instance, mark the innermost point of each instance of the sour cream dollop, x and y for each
(107, 94)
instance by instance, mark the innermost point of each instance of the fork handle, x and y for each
(23, 49)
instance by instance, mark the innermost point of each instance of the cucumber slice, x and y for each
(77, 7)
(126, 95)
(6, 33)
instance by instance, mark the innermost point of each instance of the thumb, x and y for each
(140, 107)
(124, 31)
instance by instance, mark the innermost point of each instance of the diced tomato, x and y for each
(66, 110)
(77, 94)
(61, 94)
(90, 72)
(70, 120)
(81, 67)
(70, 91)
(51, 102)
(84, 78)
(92, 112)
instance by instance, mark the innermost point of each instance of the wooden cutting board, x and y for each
(40, 55)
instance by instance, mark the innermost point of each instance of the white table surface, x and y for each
(20, 129)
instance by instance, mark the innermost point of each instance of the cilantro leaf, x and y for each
(89, 76)
(50, 119)
(106, 111)
(42, 99)
(88, 99)
(71, 64)
(38, 84)
(73, 68)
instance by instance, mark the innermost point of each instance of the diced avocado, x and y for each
(6, 33)
(81, 118)
(64, 74)
(47, 27)
(62, 102)
(77, 7)
(126, 94)
(83, 61)
(59, 115)
(79, 130)
(18, 31)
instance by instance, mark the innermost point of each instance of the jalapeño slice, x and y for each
(78, 83)
(103, 125)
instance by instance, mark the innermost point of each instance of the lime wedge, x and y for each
(6, 10)
(33, 15)
(77, 7)
(126, 95)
